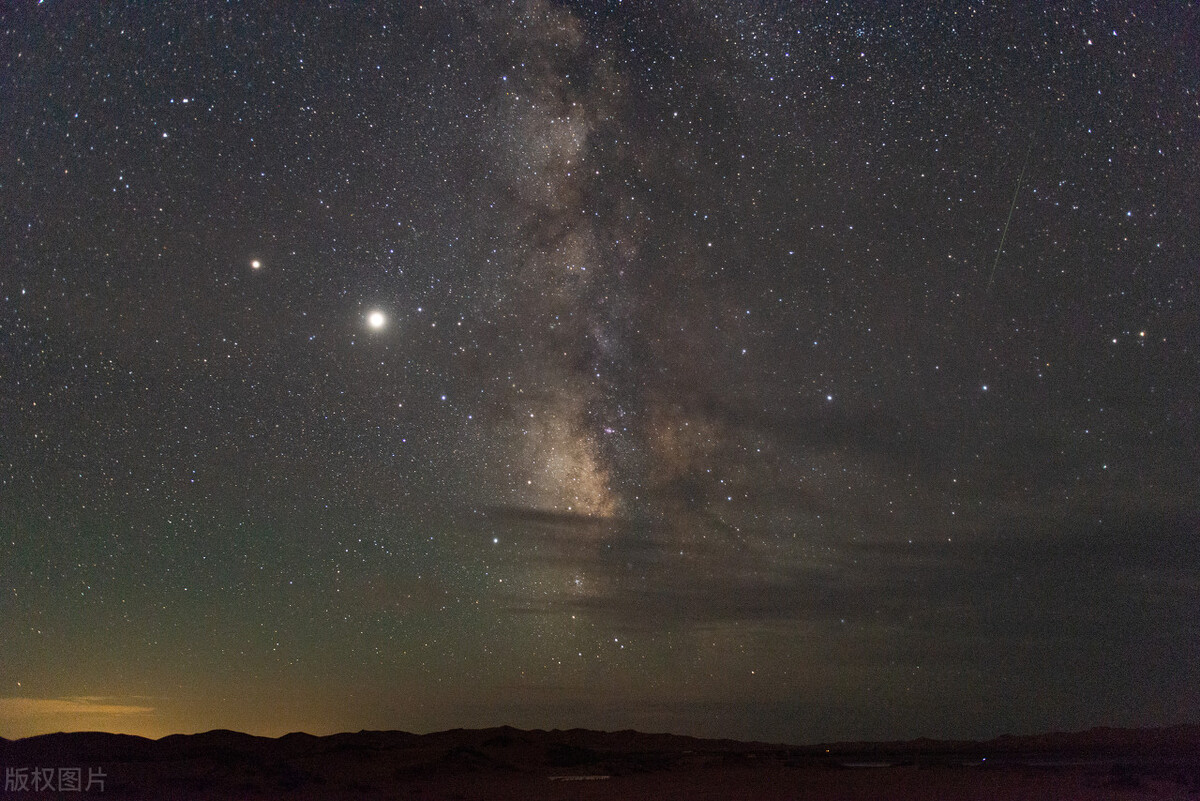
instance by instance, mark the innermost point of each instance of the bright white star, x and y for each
(376, 320)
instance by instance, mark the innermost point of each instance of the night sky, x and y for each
(721, 368)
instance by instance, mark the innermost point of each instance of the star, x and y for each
(255, 264)
(376, 320)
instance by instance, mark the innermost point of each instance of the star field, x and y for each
(740, 369)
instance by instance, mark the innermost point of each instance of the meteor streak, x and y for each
(1011, 206)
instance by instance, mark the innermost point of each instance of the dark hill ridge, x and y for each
(1182, 740)
(518, 763)
(506, 743)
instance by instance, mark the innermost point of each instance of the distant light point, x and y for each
(376, 320)
(255, 264)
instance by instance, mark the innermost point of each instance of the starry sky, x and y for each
(791, 372)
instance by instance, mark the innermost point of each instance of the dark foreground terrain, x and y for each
(509, 763)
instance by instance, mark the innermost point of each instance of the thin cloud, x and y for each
(18, 708)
